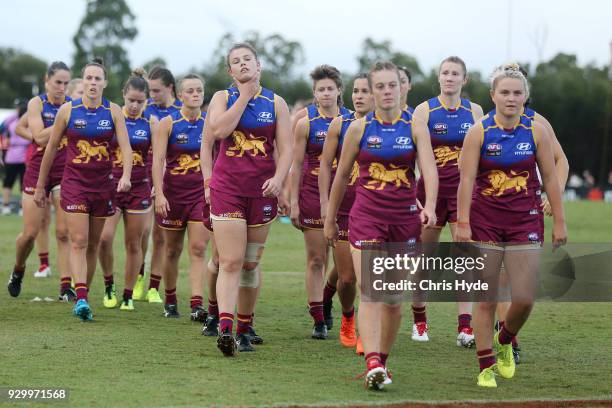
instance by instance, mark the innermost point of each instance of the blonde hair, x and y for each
(509, 70)
(72, 85)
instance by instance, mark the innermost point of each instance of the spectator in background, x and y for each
(575, 181)
(14, 158)
(589, 180)
(609, 182)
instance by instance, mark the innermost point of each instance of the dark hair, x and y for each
(22, 106)
(406, 71)
(361, 75)
(382, 66)
(237, 46)
(164, 75)
(137, 81)
(189, 76)
(56, 66)
(327, 72)
(95, 62)
(456, 60)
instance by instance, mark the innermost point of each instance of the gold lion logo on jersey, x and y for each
(87, 151)
(500, 182)
(186, 163)
(381, 176)
(315, 171)
(445, 154)
(63, 143)
(354, 174)
(136, 158)
(243, 144)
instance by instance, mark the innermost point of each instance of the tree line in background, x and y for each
(576, 99)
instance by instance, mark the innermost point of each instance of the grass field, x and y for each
(140, 359)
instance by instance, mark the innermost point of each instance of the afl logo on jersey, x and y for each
(80, 123)
(48, 115)
(374, 142)
(182, 138)
(265, 117)
(494, 149)
(320, 135)
(440, 128)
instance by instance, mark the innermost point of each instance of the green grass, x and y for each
(141, 359)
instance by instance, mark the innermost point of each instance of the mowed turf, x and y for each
(135, 359)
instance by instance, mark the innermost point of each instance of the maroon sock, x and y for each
(44, 258)
(196, 301)
(19, 271)
(65, 283)
(154, 281)
(464, 321)
(141, 272)
(316, 311)
(226, 322)
(505, 337)
(171, 296)
(383, 358)
(81, 291)
(127, 294)
(328, 292)
(109, 280)
(419, 314)
(243, 323)
(488, 360)
(213, 307)
(373, 360)
(349, 314)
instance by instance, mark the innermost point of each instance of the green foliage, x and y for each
(105, 28)
(20, 75)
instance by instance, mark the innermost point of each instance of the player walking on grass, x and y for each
(309, 136)
(179, 201)
(250, 121)
(386, 145)
(135, 204)
(42, 111)
(332, 148)
(448, 117)
(500, 155)
(88, 189)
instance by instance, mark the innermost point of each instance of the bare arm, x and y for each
(330, 147)
(160, 147)
(57, 131)
(299, 149)
(429, 171)
(223, 121)
(477, 112)
(350, 150)
(22, 128)
(206, 150)
(561, 162)
(274, 186)
(40, 135)
(422, 112)
(126, 149)
(546, 164)
(468, 168)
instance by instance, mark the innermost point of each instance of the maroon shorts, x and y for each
(446, 209)
(343, 227)
(136, 201)
(371, 233)
(181, 214)
(310, 211)
(255, 211)
(513, 228)
(97, 204)
(206, 217)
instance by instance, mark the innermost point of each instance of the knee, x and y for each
(173, 251)
(347, 280)
(61, 235)
(29, 234)
(316, 262)
(486, 307)
(106, 244)
(197, 249)
(249, 275)
(133, 246)
(230, 265)
(158, 237)
(79, 241)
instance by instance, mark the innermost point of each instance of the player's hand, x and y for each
(559, 234)
(249, 88)
(546, 208)
(330, 230)
(428, 217)
(294, 215)
(272, 187)
(207, 195)
(161, 205)
(283, 204)
(39, 197)
(463, 232)
(419, 205)
(124, 185)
